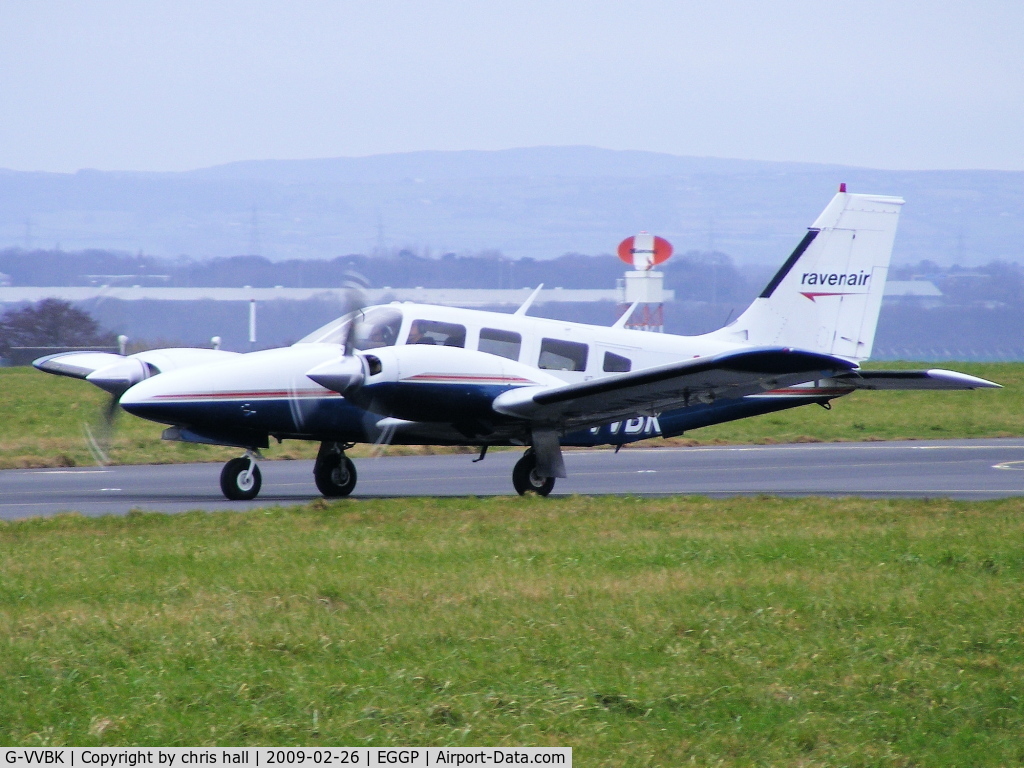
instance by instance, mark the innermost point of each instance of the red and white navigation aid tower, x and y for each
(643, 284)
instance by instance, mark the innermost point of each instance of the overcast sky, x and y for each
(121, 85)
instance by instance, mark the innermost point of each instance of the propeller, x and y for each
(387, 428)
(348, 347)
(355, 301)
(343, 333)
(115, 379)
(99, 437)
(347, 374)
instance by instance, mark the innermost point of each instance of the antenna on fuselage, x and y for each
(526, 304)
(624, 317)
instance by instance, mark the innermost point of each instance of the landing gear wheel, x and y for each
(526, 480)
(238, 482)
(335, 475)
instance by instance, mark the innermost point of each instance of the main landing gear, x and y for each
(334, 472)
(525, 477)
(240, 479)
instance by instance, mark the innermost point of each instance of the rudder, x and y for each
(827, 295)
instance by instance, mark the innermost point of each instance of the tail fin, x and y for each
(826, 297)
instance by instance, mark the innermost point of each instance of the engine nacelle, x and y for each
(175, 358)
(428, 383)
(123, 374)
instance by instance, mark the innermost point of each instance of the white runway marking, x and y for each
(872, 446)
(1009, 465)
(65, 471)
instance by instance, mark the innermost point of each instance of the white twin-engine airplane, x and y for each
(417, 374)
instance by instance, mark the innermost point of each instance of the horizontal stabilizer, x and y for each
(934, 378)
(704, 380)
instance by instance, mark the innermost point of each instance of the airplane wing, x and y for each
(934, 378)
(650, 390)
(77, 365)
(115, 374)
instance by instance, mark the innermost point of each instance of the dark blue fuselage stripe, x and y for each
(334, 418)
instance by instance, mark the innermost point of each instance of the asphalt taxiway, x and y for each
(961, 469)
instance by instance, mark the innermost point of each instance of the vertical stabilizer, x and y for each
(827, 295)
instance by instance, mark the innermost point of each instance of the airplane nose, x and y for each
(340, 375)
(170, 398)
(147, 399)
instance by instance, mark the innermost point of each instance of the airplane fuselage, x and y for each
(436, 387)
(421, 374)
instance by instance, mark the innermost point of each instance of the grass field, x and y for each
(640, 632)
(43, 418)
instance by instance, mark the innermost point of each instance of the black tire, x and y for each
(526, 480)
(236, 484)
(335, 475)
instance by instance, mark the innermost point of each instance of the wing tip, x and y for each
(969, 381)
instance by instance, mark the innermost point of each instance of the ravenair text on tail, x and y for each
(827, 295)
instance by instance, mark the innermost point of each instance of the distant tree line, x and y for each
(998, 283)
(696, 276)
(988, 319)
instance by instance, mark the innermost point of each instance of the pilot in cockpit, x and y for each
(417, 335)
(380, 336)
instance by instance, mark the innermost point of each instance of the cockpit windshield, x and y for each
(335, 332)
(375, 327)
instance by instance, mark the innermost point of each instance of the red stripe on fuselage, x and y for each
(467, 378)
(264, 395)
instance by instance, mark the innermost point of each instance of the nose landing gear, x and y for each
(240, 480)
(334, 472)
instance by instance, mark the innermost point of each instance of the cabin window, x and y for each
(377, 327)
(437, 333)
(558, 355)
(616, 363)
(500, 343)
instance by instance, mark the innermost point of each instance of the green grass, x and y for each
(640, 632)
(44, 418)
(44, 415)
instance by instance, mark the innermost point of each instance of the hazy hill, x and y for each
(539, 202)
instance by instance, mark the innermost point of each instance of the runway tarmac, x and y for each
(962, 469)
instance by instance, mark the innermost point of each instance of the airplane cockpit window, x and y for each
(616, 363)
(558, 355)
(437, 333)
(377, 327)
(500, 343)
